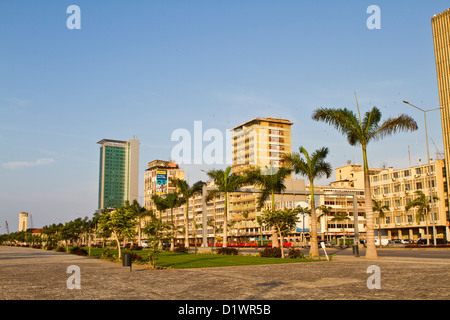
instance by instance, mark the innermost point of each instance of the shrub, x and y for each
(181, 249)
(61, 249)
(50, 248)
(107, 254)
(295, 253)
(135, 247)
(227, 251)
(79, 251)
(271, 253)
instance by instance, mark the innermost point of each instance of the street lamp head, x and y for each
(404, 101)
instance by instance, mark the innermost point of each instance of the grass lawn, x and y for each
(191, 260)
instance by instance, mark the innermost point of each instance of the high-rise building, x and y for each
(23, 221)
(260, 142)
(119, 172)
(441, 34)
(158, 177)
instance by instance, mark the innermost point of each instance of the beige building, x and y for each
(260, 142)
(339, 196)
(441, 35)
(396, 188)
(157, 172)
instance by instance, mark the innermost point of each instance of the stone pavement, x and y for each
(32, 274)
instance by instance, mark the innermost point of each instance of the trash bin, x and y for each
(126, 260)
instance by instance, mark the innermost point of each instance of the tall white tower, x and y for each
(23, 221)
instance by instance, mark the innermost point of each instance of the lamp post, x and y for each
(429, 165)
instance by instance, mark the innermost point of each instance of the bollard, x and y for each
(355, 250)
(126, 260)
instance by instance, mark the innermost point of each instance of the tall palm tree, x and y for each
(313, 167)
(187, 192)
(377, 207)
(362, 131)
(225, 182)
(423, 208)
(139, 213)
(173, 201)
(270, 183)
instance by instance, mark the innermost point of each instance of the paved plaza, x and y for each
(32, 274)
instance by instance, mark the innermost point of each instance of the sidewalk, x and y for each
(37, 274)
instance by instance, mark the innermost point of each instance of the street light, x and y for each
(429, 164)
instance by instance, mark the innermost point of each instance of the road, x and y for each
(437, 253)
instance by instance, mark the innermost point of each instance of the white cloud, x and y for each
(25, 164)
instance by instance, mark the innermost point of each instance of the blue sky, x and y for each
(147, 68)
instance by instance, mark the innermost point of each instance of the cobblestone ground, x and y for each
(31, 274)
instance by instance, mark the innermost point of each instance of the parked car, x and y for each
(405, 241)
(144, 243)
(394, 242)
(384, 242)
(438, 241)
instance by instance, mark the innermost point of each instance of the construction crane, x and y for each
(439, 155)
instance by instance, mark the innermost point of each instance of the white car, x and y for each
(144, 243)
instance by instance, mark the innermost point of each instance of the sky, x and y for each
(148, 68)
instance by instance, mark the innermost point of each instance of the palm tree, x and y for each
(139, 213)
(173, 201)
(313, 167)
(187, 192)
(423, 208)
(340, 217)
(270, 184)
(325, 212)
(225, 182)
(377, 207)
(362, 131)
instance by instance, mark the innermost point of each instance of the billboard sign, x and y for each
(161, 182)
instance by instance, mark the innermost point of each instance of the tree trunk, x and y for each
(225, 222)
(371, 251)
(118, 246)
(282, 246)
(186, 226)
(274, 231)
(172, 241)
(314, 249)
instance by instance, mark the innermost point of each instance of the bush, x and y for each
(271, 253)
(50, 248)
(107, 254)
(61, 249)
(227, 251)
(36, 246)
(181, 249)
(79, 251)
(295, 253)
(135, 247)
